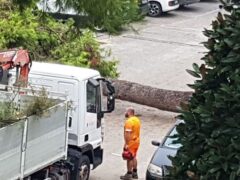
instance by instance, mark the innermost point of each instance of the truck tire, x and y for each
(84, 168)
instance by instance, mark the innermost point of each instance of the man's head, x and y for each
(129, 112)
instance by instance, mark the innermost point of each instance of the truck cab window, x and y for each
(3, 77)
(92, 98)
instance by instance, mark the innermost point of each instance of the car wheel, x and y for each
(155, 9)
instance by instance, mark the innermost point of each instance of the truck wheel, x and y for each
(155, 9)
(84, 168)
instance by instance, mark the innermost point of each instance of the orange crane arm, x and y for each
(16, 59)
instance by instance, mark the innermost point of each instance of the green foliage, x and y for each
(86, 44)
(211, 133)
(8, 114)
(51, 40)
(25, 3)
(107, 68)
(110, 15)
(38, 104)
(90, 55)
(26, 30)
(11, 111)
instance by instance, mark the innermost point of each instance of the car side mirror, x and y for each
(156, 143)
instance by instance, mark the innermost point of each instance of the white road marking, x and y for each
(115, 154)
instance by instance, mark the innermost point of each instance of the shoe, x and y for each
(126, 176)
(135, 175)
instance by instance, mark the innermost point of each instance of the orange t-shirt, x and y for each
(133, 125)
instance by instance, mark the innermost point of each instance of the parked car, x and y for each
(157, 7)
(187, 2)
(144, 6)
(159, 165)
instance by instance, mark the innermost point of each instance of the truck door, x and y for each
(69, 87)
(93, 103)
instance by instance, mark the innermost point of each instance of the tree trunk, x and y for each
(158, 98)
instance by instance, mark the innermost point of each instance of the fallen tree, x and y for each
(167, 100)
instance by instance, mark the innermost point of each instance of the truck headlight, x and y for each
(155, 170)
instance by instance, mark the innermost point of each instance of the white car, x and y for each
(157, 7)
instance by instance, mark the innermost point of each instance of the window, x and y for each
(92, 97)
(4, 77)
(169, 141)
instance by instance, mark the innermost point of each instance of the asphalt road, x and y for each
(157, 55)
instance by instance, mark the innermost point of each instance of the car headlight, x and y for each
(155, 170)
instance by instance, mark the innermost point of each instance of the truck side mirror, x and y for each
(1, 73)
(110, 93)
(110, 103)
(110, 97)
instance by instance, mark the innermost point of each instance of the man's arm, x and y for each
(127, 134)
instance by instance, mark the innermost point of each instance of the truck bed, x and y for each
(34, 142)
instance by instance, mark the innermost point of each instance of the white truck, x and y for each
(83, 151)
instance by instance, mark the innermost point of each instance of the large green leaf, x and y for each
(232, 176)
(215, 169)
(196, 67)
(193, 73)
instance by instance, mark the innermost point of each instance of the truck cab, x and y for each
(84, 90)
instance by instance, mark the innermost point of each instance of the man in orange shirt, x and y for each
(132, 142)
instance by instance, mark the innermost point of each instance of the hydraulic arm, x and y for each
(18, 59)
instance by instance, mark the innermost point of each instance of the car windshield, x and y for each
(169, 140)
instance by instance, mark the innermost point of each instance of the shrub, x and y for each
(210, 134)
(51, 40)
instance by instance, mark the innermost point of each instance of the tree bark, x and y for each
(167, 100)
